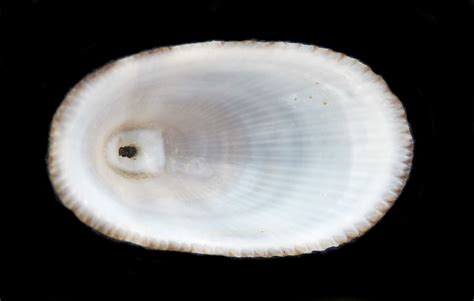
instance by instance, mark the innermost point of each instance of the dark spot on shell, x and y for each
(128, 151)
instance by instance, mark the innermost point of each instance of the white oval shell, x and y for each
(247, 149)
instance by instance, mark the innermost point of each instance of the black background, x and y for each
(47, 47)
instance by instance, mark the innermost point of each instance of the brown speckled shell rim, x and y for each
(112, 231)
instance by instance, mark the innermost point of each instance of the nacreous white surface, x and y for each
(243, 149)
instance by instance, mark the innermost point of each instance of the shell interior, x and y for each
(231, 148)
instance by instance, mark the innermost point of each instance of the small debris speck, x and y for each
(127, 151)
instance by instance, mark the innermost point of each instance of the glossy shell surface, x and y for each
(246, 149)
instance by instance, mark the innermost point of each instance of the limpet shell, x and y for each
(242, 149)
